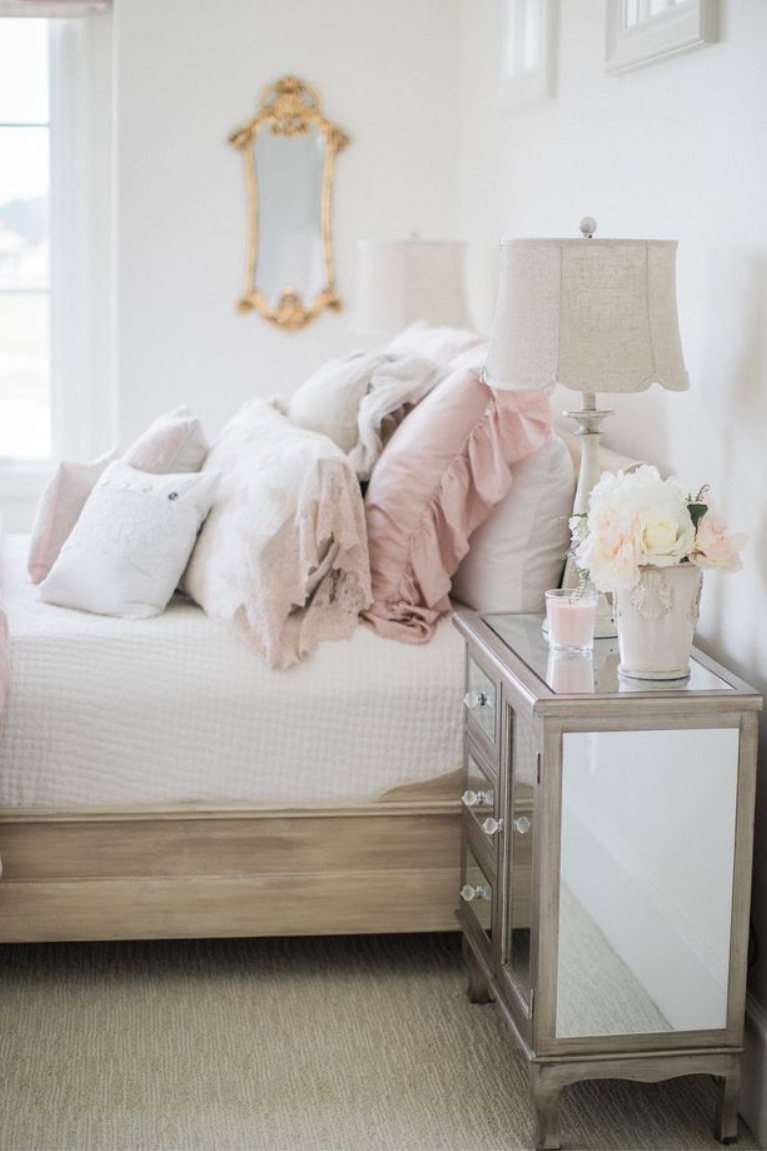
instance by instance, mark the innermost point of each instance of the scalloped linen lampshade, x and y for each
(401, 281)
(594, 315)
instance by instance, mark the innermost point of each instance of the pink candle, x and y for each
(571, 619)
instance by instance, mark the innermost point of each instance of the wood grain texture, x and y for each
(327, 903)
(194, 871)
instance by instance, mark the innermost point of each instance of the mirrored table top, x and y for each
(568, 674)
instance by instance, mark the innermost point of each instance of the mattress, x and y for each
(178, 710)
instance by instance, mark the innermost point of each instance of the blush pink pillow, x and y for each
(58, 510)
(173, 443)
(443, 471)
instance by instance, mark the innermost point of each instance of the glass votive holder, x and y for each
(570, 616)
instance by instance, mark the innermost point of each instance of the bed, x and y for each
(157, 780)
(329, 806)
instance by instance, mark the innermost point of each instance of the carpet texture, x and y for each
(334, 1043)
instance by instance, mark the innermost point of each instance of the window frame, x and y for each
(530, 85)
(38, 125)
(82, 402)
(684, 25)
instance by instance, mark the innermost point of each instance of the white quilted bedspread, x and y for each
(175, 709)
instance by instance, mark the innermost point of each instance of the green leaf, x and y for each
(697, 512)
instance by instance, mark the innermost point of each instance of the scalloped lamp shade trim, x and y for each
(594, 315)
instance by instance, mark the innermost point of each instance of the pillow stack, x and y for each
(270, 523)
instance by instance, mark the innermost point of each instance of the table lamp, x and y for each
(595, 316)
(401, 281)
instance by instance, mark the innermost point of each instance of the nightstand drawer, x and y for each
(481, 702)
(480, 793)
(477, 900)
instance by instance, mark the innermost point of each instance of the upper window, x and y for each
(25, 282)
(641, 32)
(527, 39)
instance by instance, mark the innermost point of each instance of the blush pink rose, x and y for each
(715, 547)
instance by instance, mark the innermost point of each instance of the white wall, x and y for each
(187, 72)
(675, 150)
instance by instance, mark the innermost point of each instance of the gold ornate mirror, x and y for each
(290, 150)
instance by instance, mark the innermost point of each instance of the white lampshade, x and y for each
(401, 281)
(594, 315)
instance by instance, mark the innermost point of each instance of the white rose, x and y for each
(666, 533)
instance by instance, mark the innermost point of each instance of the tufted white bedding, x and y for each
(174, 709)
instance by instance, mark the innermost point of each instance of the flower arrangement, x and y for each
(638, 519)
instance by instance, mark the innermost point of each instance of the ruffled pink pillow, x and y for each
(174, 443)
(445, 468)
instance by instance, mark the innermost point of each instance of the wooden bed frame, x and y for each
(209, 871)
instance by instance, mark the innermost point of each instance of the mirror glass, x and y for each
(289, 175)
(524, 768)
(646, 874)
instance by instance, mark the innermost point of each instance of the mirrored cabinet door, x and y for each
(646, 880)
(520, 834)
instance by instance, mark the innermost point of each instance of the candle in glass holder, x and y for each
(571, 616)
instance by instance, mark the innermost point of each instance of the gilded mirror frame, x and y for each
(289, 107)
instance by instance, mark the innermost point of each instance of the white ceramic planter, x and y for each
(656, 622)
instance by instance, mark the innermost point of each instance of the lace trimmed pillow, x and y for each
(283, 556)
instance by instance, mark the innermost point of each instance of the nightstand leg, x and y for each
(726, 1123)
(545, 1096)
(478, 990)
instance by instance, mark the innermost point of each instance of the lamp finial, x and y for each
(588, 227)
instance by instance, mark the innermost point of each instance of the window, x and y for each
(640, 32)
(56, 352)
(527, 43)
(25, 282)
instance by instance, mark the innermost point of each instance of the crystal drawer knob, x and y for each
(474, 798)
(469, 893)
(474, 699)
(492, 826)
(521, 824)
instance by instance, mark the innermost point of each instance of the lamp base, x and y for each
(589, 419)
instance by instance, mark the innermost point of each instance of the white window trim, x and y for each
(82, 399)
(680, 28)
(534, 84)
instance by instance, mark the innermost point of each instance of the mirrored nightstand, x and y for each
(607, 864)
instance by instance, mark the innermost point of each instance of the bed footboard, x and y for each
(193, 871)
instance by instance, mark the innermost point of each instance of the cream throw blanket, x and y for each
(353, 399)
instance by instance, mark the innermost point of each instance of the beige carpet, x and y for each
(312, 1044)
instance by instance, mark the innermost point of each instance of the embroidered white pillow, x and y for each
(174, 442)
(131, 543)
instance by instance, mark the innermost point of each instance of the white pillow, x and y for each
(518, 553)
(131, 543)
(329, 400)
